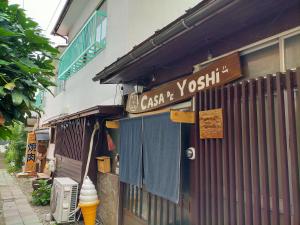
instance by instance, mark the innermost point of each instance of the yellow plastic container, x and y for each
(89, 211)
(103, 164)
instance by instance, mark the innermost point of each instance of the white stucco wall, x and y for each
(146, 17)
(129, 23)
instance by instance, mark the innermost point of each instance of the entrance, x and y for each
(143, 208)
(251, 176)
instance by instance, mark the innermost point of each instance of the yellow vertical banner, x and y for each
(30, 153)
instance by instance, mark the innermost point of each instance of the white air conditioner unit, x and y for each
(64, 199)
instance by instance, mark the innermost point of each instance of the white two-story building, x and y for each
(210, 131)
(97, 32)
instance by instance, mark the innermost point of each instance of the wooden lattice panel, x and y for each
(69, 138)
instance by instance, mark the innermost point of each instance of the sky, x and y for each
(45, 13)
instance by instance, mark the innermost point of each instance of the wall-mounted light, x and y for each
(190, 153)
(209, 55)
(138, 89)
(153, 78)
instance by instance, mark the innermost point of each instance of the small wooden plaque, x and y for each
(211, 124)
(182, 117)
(112, 124)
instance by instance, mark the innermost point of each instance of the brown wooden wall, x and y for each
(67, 167)
(251, 176)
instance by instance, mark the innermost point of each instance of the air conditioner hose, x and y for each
(96, 127)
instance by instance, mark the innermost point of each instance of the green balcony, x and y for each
(86, 45)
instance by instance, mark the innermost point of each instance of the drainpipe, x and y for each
(64, 37)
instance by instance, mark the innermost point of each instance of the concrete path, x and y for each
(15, 208)
(2, 166)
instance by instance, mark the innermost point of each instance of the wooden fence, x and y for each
(251, 176)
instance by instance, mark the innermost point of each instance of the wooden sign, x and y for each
(216, 74)
(30, 153)
(112, 124)
(182, 117)
(211, 124)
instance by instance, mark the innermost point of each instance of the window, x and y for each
(85, 46)
(292, 52)
(261, 62)
(274, 54)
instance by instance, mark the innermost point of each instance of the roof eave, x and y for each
(105, 111)
(61, 17)
(203, 7)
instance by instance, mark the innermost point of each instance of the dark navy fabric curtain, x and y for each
(162, 156)
(131, 151)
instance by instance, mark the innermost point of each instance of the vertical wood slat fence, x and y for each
(149, 208)
(251, 176)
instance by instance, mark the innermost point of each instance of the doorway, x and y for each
(139, 207)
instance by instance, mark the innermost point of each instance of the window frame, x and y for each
(267, 42)
(282, 48)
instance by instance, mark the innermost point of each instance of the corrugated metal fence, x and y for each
(252, 175)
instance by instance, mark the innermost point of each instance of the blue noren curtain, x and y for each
(162, 156)
(131, 151)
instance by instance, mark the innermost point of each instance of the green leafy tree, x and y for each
(16, 147)
(26, 65)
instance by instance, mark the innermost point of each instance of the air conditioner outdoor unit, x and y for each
(64, 199)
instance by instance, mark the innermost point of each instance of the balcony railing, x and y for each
(86, 45)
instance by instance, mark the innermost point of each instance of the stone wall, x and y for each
(108, 191)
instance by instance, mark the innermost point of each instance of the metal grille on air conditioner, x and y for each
(73, 202)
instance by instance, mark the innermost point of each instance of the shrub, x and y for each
(16, 148)
(41, 196)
